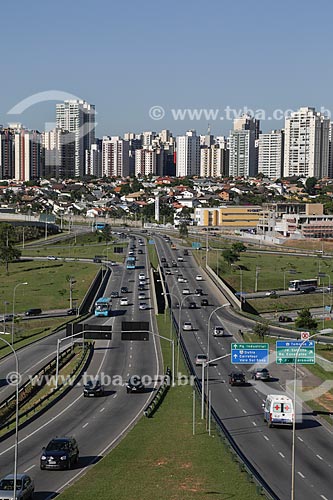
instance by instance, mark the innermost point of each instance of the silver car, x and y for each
(24, 487)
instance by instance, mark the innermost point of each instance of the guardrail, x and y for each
(159, 396)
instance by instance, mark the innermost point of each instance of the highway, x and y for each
(96, 423)
(240, 409)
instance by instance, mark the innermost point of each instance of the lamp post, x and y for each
(204, 364)
(240, 284)
(292, 496)
(256, 280)
(4, 319)
(16, 414)
(171, 295)
(324, 275)
(14, 292)
(179, 327)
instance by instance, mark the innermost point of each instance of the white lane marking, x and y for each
(255, 390)
(255, 425)
(229, 390)
(300, 474)
(323, 497)
(29, 468)
(131, 356)
(115, 395)
(244, 411)
(267, 439)
(281, 454)
(102, 409)
(300, 439)
(130, 365)
(236, 400)
(85, 425)
(320, 458)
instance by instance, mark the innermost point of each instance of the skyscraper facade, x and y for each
(270, 148)
(188, 154)
(243, 153)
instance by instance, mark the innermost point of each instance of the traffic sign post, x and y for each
(250, 353)
(286, 351)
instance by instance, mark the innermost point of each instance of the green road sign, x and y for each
(287, 350)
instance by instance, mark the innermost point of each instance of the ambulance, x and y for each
(278, 410)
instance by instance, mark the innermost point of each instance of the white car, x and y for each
(142, 276)
(124, 301)
(51, 257)
(142, 296)
(199, 277)
(187, 325)
(200, 359)
(180, 259)
(186, 291)
(180, 279)
(143, 306)
(218, 331)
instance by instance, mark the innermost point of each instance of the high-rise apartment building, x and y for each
(306, 144)
(58, 153)
(243, 153)
(7, 136)
(78, 117)
(28, 156)
(145, 162)
(188, 154)
(211, 161)
(94, 159)
(270, 148)
(115, 157)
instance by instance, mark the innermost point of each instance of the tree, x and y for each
(238, 247)
(230, 256)
(106, 232)
(8, 251)
(261, 329)
(183, 231)
(305, 320)
(310, 185)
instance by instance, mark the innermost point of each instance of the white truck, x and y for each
(278, 410)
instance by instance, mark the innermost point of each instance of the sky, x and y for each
(141, 63)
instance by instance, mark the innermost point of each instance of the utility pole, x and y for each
(256, 280)
(71, 286)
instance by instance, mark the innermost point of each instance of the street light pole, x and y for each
(204, 365)
(240, 285)
(16, 413)
(179, 327)
(14, 292)
(171, 295)
(292, 497)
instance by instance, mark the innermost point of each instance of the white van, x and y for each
(278, 410)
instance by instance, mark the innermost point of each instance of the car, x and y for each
(186, 291)
(143, 306)
(142, 296)
(198, 291)
(174, 263)
(261, 374)
(112, 263)
(185, 252)
(124, 301)
(60, 453)
(163, 259)
(218, 331)
(114, 294)
(142, 276)
(200, 359)
(168, 272)
(140, 251)
(271, 293)
(165, 265)
(24, 487)
(199, 277)
(34, 311)
(52, 257)
(72, 312)
(284, 319)
(192, 305)
(93, 388)
(204, 302)
(237, 378)
(181, 279)
(97, 260)
(142, 282)
(141, 288)
(7, 317)
(124, 289)
(187, 326)
(180, 259)
(308, 289)
(135, 384)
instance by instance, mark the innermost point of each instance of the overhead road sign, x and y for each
(286, 352)
(250, 353)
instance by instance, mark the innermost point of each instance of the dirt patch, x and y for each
(191, 485)
(326, 401)
(187, 465)
(159, 463)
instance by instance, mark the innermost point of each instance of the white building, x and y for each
(58, 153)
(306, 144)
(243, 152)
(211, 161)
(94, 159)
(27, 148)
(270, 149)
(145, 162)
(78, 116)
(188, 154)
(115, 157)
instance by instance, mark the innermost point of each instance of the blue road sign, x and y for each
(250, 353)
(151, 242)
(196, 245)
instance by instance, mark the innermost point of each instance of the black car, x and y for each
(198, 291)
(174, 263)
(140, 251)
(163, 259)
(60, 453)
(35, 311)
(93, 388)
(141, 288)
(72, 312)
(236, 378)
(284, 319)
(124, 289)
(165, 264)
(204, 302)
(114, 295)
(192, 305)
(135, 384)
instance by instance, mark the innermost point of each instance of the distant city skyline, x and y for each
(127, 64)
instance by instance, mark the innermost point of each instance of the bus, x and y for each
(130, 262)
(301, 284)
(103, 306)
(99, 226)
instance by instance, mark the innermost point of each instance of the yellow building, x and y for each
(228, 216)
